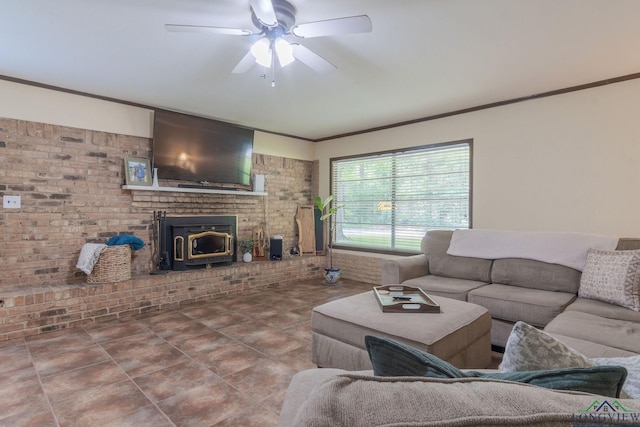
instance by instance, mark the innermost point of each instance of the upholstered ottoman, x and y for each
(459, 334)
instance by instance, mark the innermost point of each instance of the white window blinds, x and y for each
(388, 201)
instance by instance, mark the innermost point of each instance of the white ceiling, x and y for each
(424, 57)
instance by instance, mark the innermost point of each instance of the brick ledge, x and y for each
(33, 311)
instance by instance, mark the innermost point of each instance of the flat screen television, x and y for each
(196, 149)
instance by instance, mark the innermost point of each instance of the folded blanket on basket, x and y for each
(89, 255)
(126, 239)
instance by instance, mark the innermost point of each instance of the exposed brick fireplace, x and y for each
(190, 242)
(70, 181)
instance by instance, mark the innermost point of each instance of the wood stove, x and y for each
(190, 242)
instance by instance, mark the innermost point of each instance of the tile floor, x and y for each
(222, 363)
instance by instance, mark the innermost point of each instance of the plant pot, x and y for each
(331, 275)
(246, 257)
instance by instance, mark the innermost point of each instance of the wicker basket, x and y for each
(114, 265)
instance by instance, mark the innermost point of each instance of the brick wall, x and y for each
(70, 183)
(360, 266)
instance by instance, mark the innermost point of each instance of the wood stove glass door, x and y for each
(209, 244)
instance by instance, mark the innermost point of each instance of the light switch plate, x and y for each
(11, 202)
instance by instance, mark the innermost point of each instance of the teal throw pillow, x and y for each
(393, 358)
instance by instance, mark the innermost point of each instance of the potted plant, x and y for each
(246, 247)
(331, 274)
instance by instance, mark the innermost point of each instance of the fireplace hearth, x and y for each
(191, 242)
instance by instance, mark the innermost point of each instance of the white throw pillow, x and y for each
(612, 277)
(530, 349)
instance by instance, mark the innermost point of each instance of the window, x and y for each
(388, 201)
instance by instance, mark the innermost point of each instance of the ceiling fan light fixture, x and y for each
(276, 22)
(261, 50)
(284, 51)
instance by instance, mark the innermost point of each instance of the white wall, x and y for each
(565, 163)
(24, 102)
(282, 146)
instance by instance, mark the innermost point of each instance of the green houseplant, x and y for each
(246, 247)
(331, 274)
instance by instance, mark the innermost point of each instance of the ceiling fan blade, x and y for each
(330, 27)
(311, 59)
(264, 11)
(245, 64)
(206, 29)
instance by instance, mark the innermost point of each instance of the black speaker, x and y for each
(275, 249)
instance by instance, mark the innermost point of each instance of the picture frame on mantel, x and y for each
(137, 171)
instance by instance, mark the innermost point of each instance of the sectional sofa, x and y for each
(548, 280)
(544, 291)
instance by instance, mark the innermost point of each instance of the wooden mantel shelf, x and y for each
(192, 190)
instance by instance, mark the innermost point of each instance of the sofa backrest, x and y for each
(435, 244)
(628, 244)
(526, 273)
(529, 273)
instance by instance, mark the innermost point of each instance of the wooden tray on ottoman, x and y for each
(404, 299)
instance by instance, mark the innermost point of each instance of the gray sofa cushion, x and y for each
(513, 303)
(591, 349)
(529, 273)
(603, 309)
(435, 244)
(610, 332)
(445, 286)
(628, 244)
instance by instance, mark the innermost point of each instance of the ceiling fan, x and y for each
(276, 24)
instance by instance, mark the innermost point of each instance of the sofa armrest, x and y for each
(363, 400)
(397, 270)
(300, 387)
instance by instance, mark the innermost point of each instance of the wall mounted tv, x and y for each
(191, 148)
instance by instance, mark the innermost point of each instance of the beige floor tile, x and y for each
(67, 385)
(69, 360)
(164, 383)
(99, 405)
(226, 362)
(205, 405)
